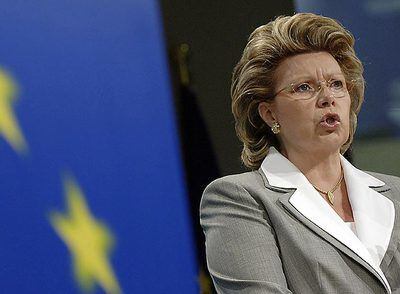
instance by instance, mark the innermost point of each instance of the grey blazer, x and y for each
(257, 242)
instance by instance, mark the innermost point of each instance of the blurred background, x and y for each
(114, 116)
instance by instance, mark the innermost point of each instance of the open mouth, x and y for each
(330, 120)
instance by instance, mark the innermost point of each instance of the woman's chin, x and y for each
(332, 142)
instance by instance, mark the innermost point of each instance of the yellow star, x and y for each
(88, 240)
(9, 127)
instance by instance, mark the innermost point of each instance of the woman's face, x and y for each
(319, 124)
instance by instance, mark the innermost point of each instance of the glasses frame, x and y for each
(291, 89)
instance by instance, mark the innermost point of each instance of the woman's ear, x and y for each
(266, 112)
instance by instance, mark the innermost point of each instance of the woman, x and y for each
(304, 220)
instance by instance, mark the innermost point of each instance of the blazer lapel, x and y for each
(314, 212)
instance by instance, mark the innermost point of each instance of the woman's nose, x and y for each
(325, 96)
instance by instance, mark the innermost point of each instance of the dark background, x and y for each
(214, 33)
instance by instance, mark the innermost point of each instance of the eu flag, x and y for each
(92, 191)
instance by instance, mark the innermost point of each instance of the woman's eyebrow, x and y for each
(309, 77)
(303, 78)
(335, 74)
(314, 78)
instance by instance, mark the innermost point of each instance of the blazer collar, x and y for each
(373, 213)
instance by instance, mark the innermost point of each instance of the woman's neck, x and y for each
(322, 169)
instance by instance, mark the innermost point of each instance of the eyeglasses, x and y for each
(307, 90)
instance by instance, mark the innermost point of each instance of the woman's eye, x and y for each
(304, 87)
(336, 84)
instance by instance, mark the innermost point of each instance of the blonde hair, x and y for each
(253, 76)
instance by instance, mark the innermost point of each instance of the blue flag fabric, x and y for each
(92, 190)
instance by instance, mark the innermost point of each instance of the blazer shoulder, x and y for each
(249, 182)
(392, 185)
(389, 180)
(243, 179)
(243, 188)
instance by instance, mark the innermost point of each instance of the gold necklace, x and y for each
(329, 193)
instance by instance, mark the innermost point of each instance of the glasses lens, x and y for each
(305, 91)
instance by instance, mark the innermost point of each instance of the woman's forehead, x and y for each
(307, 65)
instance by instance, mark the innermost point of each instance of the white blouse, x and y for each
(352, 227)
